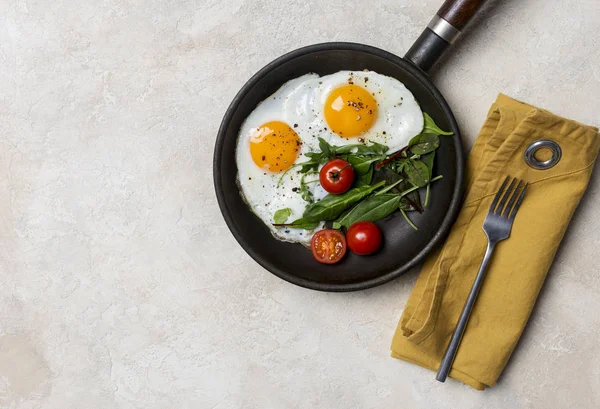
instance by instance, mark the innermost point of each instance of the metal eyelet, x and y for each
(543, 144)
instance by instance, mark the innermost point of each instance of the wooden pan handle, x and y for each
(459, 12)
(442, 30)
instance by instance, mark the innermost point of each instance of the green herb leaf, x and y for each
(428, 161)
(365, 179)
(424, 143)
(405, 205)
(427, 141)
(313, 155)
(362, 163)
(389, 187)
(331, 206)
(301, 223)
(373, 149)
(411, 200)
(398, 165)
(414, 200)
(394, 165)
(330, 151)
(417, 172)
(408, 220)
(431, 127)
(305, 190)
(398, 154)
(414, 140)
(326, 148)
(387, 174)
(282, 215)
(310, 166)
(371, 209)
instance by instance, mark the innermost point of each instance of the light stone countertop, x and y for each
(121, 286)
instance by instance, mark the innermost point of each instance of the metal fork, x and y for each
(497, 226)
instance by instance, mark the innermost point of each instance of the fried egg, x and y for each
(347, 107)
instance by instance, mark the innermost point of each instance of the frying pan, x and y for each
(403, 247)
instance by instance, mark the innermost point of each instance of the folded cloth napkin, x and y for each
(519, 264)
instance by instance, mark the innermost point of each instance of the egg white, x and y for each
(399, 116)
(266, 192)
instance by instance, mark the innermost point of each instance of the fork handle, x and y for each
(452, 349)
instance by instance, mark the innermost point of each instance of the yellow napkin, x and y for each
(519, 264)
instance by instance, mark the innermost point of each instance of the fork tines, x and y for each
(515, 193)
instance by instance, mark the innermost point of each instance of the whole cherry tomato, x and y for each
(364, 238)
(336, 176)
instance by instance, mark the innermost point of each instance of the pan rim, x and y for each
(441, 231)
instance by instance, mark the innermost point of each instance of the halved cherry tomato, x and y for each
(328, 246)
(336, 176)
(364, 238)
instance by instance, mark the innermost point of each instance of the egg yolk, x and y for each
(274, 146)
(350, 110)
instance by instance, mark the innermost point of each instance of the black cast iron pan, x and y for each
(403, 247)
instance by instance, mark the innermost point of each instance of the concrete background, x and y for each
(120, 285)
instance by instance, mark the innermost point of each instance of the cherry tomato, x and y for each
(328, 246)
(364, 238)
(336, 176)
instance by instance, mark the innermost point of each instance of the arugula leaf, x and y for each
(330, 151)
(312, 155)
(304, 190)
(311, 166)
(424, 143)
(282, 215)
(417, 172)
(331, 206)
(431, 127)
(326, 148)
(308, 166)
(371, 209)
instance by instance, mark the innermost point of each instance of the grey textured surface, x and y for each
(120, 285)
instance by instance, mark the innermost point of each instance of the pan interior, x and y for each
(403, 247)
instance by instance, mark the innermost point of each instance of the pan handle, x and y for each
(441, 31)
